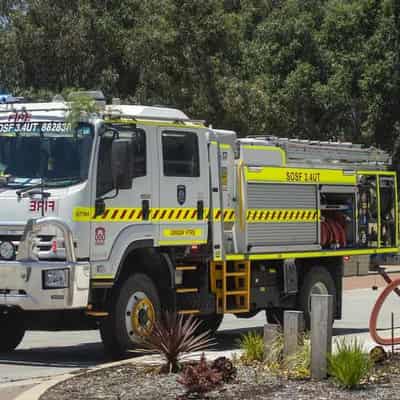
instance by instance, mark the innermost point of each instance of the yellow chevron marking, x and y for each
(126, 214)
(282, 215)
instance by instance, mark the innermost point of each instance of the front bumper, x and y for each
(21, 285)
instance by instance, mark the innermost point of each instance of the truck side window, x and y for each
(180, 154)
(104, 174)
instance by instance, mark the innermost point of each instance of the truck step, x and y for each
(186, 267)
(187, 290)
(185, 312)
(97, 313)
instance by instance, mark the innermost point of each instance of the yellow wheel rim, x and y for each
(143, 317)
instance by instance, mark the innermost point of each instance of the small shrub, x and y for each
(252, 344)
(298, 365)
(225, 366)
(200, 378)
(349, 365)
(378, 355)
(274, 353)
(175, 335)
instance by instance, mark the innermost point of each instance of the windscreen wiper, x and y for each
(29, 189)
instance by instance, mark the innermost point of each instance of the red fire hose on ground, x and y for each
(391, 287)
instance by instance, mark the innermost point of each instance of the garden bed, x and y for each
(136, 382)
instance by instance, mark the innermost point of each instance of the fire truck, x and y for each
(108, 221)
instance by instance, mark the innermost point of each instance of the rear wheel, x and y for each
(12, 331)
(274, 316)
(133, 312)
(317, 281)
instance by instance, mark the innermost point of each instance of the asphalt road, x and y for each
(43, 354)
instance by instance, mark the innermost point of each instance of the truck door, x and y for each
(130, 208)
(184, 187)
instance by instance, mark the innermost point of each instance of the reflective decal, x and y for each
(182, 232)
(38, 205)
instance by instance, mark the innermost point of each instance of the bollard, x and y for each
(321, 334)
(271, 332)
(293, 327)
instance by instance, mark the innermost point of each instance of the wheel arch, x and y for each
(142, 257)
(333, 265)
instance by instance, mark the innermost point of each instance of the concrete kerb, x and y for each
(37, 391)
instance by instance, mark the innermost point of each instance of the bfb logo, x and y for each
(100, 236)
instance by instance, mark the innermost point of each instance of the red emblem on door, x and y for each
(100, 236)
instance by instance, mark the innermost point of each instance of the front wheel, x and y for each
(317, 281)
(133, 312)
(12, 331)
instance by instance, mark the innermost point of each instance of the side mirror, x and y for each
(121, 163)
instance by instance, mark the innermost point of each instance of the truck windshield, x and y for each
(51, 152)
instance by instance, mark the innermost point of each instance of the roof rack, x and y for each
(112, 116)
(317, 152)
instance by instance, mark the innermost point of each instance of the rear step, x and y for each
(230, 282)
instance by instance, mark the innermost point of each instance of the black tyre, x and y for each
(210, 322)
(12, 331)
(132, 314)
(317, 281)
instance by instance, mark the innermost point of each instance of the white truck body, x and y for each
(162, 212)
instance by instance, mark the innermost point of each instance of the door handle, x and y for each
(200, 209)
(145, 210)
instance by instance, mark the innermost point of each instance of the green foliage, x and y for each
(274, 353)
(349, 364)
(319, 69)
(298, 365)
(173, 336)
(252, 345)
(81, 106)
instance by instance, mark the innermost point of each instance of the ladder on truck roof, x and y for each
(319, 152)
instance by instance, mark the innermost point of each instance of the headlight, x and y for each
(55, 279)
(7, 250)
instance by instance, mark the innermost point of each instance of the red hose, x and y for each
(392, 286)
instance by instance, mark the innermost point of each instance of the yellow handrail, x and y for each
(241, 195)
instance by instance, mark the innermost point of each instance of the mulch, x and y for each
(138, 382)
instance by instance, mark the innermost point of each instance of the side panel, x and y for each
(281, 215)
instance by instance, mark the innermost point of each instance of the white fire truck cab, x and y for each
(109, 221)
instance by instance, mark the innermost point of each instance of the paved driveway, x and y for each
(43, 354)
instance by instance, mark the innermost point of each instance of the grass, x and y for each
(350, 364)
(252, 345)
(298, 365)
